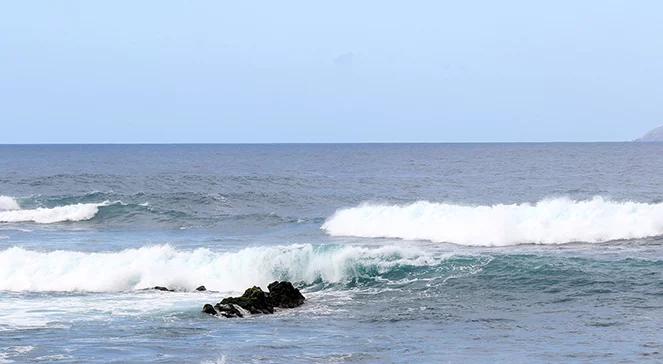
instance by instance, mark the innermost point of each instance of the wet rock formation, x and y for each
(256, 301)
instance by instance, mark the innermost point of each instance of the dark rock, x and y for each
(284, 295)
(228, 310)
(159, 288)
(201, 288)
(209, 309)
(254, 300)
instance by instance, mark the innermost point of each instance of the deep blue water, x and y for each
(405, 252)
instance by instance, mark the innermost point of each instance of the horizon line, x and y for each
(326, 143)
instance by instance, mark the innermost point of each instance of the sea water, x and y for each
(405, 252)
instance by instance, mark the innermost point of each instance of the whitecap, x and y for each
(549, 221)
(162, 265)
(43, 215)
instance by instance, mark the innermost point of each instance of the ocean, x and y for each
(406, 253)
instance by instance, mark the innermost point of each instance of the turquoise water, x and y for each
(406, 253)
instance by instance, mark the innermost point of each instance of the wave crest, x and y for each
(550, 221)
(28, 270)
(8, 203)
(10, 211)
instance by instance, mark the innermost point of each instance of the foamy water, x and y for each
(549, 221)
(8, 203)
(10, 211)
(163, 265)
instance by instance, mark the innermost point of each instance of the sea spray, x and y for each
(8, 203)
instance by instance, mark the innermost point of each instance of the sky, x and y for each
(336, 71)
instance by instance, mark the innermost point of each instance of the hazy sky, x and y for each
(336, 71)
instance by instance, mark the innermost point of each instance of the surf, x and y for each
(163, 265)
(11, 212)
(549, 221)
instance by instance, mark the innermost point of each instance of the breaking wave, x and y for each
(131, 269)
(8, 203)
(549, 221)
(10, 211)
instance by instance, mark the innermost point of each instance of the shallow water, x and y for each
(406, 253)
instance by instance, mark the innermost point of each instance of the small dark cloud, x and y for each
(345, 60)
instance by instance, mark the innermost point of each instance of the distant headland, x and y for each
(654, 135)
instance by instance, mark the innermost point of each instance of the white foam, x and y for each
(131, 269)
(8, 203)
(12, 352)
(550, 221)
(27, 311)
(219, 360)
(42, 215)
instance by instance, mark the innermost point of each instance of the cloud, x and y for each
(345, 60)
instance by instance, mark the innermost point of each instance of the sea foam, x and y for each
(163, 265)
(549, 221)
(8, 203)
(10, 211)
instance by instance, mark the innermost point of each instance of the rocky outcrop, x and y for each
(225, 310)
(253, 300)
(165, 289)
(655, 135)
(284, 295)
(209, 309)
(256, 301)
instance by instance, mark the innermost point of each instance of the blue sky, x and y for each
(341, 71)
